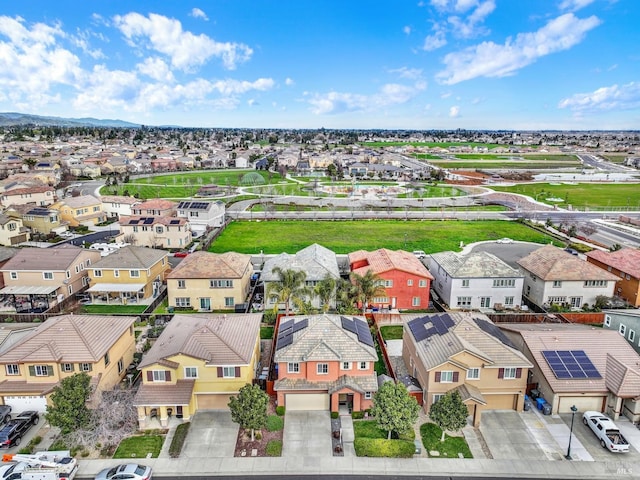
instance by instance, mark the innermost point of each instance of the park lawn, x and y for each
(581, 194)
(510, 164)
(391, 332)
(274, 237)
(106, 309)
(211, 177)
(139, 446)
(149, 191)
(451, 446)
(430, 144)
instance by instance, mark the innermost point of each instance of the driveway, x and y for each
(307, 434)
(211, 434)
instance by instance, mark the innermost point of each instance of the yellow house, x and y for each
(101, 346)
(38, 219)
(198, 362)
(129, 274)
(12, 230)
(206, 281)
(81, 210)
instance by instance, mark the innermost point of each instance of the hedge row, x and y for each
(178, 439)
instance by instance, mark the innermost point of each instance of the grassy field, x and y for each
(510, 164)
(515, 157)
(275, 237)
(210, 177)
(582, 194)
(430, 144)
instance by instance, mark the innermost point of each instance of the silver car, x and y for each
(127, 471)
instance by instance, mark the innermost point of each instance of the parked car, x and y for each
(126, 471)
(504, 240)
(11, 434)
(572, 251)
(7, 470)
(419, 253)
(606, 431)
(5, 413)
(180, 254)
(30, 416)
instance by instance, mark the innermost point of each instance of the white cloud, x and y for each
(573, 5)
(251, 102)
(186, 50)
(81, 40)
(489, 59)
(615, 97)
(157, 69)
(454, 112)
(445, 95)
(406, 72)
(436, 40)
(197, 13)
(234, 87)
(289, 82)
(471, 26)
(407, 30)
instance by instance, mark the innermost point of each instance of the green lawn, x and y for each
(430, 144)
(451, 446)
(510, 164)
(391, 332)
(106, 309)
(139, 447)
(369, 429)
(275, 237)
(210, 177)
(581, 194)
(266, 333)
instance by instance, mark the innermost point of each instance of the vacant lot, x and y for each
(343, 237)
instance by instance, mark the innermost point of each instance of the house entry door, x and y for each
(205, 304)
(485, 302)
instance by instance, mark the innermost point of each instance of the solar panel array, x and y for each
(570, 364)
(194, 205)
(360, 328)
(286, 331)
(494, 331)
(148, 221)
(174, 222)
(425, 327)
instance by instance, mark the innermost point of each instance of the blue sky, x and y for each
(425, 64)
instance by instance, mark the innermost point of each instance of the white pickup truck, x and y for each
(606, 431)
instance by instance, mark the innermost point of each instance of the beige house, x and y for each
(39, 278)
(118, 205)
(37, 219)
(156, 232)
(157, 207)
(206, 281)
(81, 210)
(38, 195)
(12, 230)
(468, 353)
(101, 346)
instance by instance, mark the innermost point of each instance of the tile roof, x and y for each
(9, 387)
(364, 383)
(474, 265)
(160, 394)
(119, 199)
(552, 263)
(470, 392)
(81, 201)
(131, 257)
(626, 260)
(139, 221)
(622, 380)
(324, 339)
(315, 260)
(69, 339)
(156, 204)
(25, 190)
(58, 258)
(384, 260)
(212, 265)
(217, 339)
(595, 342)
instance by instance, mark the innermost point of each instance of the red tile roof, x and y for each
(626, 260)
(383, 260)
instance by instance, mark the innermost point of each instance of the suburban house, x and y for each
(81, 210)
(625, 264)
(197, 363)
(206, 281)
(5, 254)
(37, 219)
(129, 274)
(325, 362)
(39, 278)
(157, 207)
(316, 261)
(465, 352)
(202, 215)
(476, 280)
(591, 368)
(405, 279)
(101, 346)
(116, 206)
(12, 230)
(156, 232)
(41, 196)
(627, 323)
(553, 276)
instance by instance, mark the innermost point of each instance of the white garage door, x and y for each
(20, 404)
(307, 401)
(583, 404)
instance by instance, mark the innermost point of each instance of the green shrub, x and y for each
(357, 415)
(280, 410)
(274, 448)
(26, 450)
(378, 447)
(178, 439)
(269, 317)
(274, 423)
(335, 414)
(58, 444)
(258, 435)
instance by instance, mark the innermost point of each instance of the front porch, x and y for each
(159, 405)
(121, 294)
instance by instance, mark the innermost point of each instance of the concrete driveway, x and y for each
(307, 434)
(211, 434)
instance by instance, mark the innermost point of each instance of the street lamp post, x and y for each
(574, 409)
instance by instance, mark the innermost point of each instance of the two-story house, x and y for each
(116, 206)
(37, 219)
(626, 322)
(405, 279)
(129, 274)
(12, 230)
(101, 346)
(206, 281)
(202, 215)
(156, 232)
(475, 280)
(39, 278)
(80, 210)
(553, 276)
(40, 196)
(325, 362)
(625, 264)
(197, 363)
(316, 261)
(468, 353)
(156, 207)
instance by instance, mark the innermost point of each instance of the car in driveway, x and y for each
(606, 431)
(125, 471)
(504, 240)
(5, 413)
(180, 254)
(13, 431)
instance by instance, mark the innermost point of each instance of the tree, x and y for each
(367, 287)
(345, 297)
(249, 408)
(68, 409)
(449, 413)
(325, 290)
(290, 288)
(394, 409)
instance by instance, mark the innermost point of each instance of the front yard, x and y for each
(371, 441)
(452, 447)
(140, 446)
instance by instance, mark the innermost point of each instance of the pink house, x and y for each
(404, 277)
(325, 362)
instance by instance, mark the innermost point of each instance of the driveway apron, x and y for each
(307, 434)
(211, 434)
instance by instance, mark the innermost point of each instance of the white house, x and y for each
(202, 215)
(118, 205)
(553, 276)
(475, 280)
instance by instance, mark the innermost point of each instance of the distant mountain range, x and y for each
(13, 118)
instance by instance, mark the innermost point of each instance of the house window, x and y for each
(70, 289)
(67, 367)
(229, 372)
(367, 395)
(575, 301)
(607, 321)
(68, 273)
(557, 300)
(229, 301)
(388, 283)
(116, 273)
(622, 329)
(632, 335)
(363, 365)
(463, 302)
(504, 283)
(120, 365)
(182, 284)
(159, 229)
(557, 283)
(190, 372)
(410, 282)
(345, 366)
(183, 301)
(12, 369)
(510, 373)
(446, 376)
(437, 397)
(465, 282)
(473, 374)
(134, 273)
(158, 376)
(42, 370)
(381, 300)
(14, 275)
(595, 283)
(422, 283)
(220, 283)
(47, 275)
(85, 367)
(322, 368)
(97, 273)
(508, 300)
(293, 367)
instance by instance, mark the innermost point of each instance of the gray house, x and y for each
(627, 323)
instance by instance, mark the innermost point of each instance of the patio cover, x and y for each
(28, 290)
(116, 287)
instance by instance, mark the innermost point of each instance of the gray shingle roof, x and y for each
(474, 265)
(58, 258)
(552, 263)
(131, 257)
(315, 260)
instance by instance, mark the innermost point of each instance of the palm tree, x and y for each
(289, 289)
(367, 287)
(345, 297)
(325, 290)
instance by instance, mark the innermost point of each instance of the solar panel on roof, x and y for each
(174, 222)
(300, 325)
(363, 332)
(284, 341)
(418, 329)
(148, 221)
(570, 364)
(494, 331)
(348, 324)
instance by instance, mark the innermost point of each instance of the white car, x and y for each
(419, 253)
(606, 431)
(128, 471)
(504, 240)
